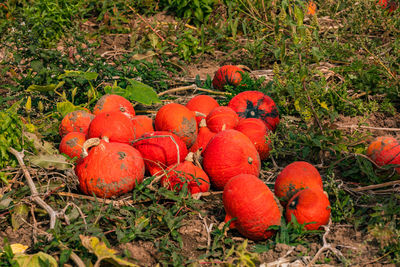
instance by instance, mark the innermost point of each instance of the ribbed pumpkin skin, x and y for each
(309, 206)
(110, 169)
(252, 203)
(186, 172)
(222, 118)
(227, 75)
(114, 125)
(385, 150)
(179, 120)
(114, 103)
(256, 130)
(255, 104)
(203, 138)
(72, 143)
(76, 121)
(228, 154)
(203, 104)
(294, 177)
(141, 125)
(159, 151)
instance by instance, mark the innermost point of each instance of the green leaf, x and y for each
(36, 260)
(47, 161)
(90, 75)
(141, 93)
(44, 88)
(95, 246)
(19, 215)
(67, 107)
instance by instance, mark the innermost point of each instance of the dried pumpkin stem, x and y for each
(32, 187)
(88, 144)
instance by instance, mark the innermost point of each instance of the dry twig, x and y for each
(35, 195)
(192, 87)
(376, 186)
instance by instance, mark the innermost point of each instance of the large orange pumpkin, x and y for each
(228, 154)
(186, 173)
(255, 104)
(159, 150)
(222, 118)
(179, 120)
(72, 144)
(115, 126)
(76, 121)
(111, 103)
(310, 207)
(256, 130)
(294, 177)
(202, 104)
(227, 75)
(110, 169)
(247, 199)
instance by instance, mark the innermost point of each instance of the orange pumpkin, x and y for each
(114, 103)
(222, 118)
(186, 173)
(389, 5)
(228, 154)
(227, 75)
(115, 126)
(295, 177)
(110, 169)
(256, 130)
(202, 104)
(310, 207)
(385, 150)
(76, 121)
(203, 137)
(141, 125)
(255, 104)
(72, 144)
(159, 150)
(311, 7)
(247, 199)
(179, 120)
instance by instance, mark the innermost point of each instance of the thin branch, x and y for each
(74, 257)
(35, 195)
(376, 186)
(192, 87)
(368, 127)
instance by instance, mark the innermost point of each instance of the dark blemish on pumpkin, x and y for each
(122, 155)
(250, 160)
(72, 142)
(122, 109)
(188, 130)
(294, 203)
(123, 167)
(101, 102)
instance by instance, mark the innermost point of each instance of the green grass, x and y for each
(343, 62)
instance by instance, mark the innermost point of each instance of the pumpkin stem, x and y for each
(202, 123)
(88, 144)
(190, 157)
(250, 160)
(199, 114)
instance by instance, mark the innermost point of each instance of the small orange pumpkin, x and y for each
(179, 120)
(222, 118)
(385, 150)
(294, 177)
(142, 124)
(227, 75)
(203, 137)
(186, 172)
(72, 144)
(256, 130)
(255, 104)
(202, 104)
(252, 203)
(115, 126)
(114, 103)
(228, 154)
(76, 121)
(310, 207)
(109, 169)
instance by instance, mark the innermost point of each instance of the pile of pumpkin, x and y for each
(115, 149)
